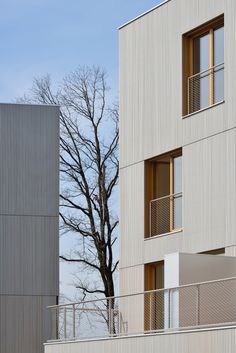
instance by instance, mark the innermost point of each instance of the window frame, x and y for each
(187, 42)
(150, 190)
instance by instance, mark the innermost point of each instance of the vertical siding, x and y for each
(132, 215)
(25, 323)
(152, 124)
(29, 189)
(215, 341)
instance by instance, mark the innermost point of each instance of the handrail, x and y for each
(145, 292)
(206, 71)
(206, 303)
(197, 97)
(167, 196)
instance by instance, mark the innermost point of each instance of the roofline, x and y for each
(143, 14)
(30, 104)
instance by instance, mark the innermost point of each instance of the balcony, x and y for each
(165, 214)
(205, 89)
(190, 307)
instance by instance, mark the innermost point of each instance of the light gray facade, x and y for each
(154, 125)
(29, 201)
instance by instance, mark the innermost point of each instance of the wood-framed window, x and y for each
(203, 66)
(154, 301)
(163, 194)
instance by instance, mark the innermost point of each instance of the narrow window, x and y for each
(154, 301)
(203, 66)
(163, 191)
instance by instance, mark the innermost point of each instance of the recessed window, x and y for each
(154, 317)
(163, 194)
(203, 80)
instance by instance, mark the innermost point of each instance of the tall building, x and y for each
(177, 190)
(29, 190)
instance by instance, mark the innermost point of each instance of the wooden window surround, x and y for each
(160, 203)
(193, 80)
(154, 303)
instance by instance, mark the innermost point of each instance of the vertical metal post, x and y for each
(150, 219)
(169, 311)
(57, 323)
(53, 323)
(73, 308)
(150, 304)
(65, 333)
(109, 316)
(188, 95)
(197, 306)
(120, 323)
(112, 318)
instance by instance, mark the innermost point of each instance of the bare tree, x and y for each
(89, 172)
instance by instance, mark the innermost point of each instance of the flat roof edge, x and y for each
(143, 14)
(30, 104)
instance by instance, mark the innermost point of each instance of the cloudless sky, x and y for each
(55, 37)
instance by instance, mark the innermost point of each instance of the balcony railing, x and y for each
(195, 306)
(165, 214)
(206, 88)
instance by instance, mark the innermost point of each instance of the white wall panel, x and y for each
(209, 201)
(132, 215)
(213, 341)
(151, 79)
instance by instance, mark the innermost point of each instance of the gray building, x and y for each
(29, 199)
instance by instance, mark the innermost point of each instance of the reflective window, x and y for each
(201, 63)
(218, 60)
(177, 183)
(205, 66)
(219, 46)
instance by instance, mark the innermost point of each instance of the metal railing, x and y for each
(165, 214)
(205, 88)
(194, 306)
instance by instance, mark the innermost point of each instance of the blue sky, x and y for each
(55, 37)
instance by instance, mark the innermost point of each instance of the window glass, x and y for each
(177, 174)
(201, 53)
(219, 46)
(177, 206)
(200, 84)
(218, 59)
